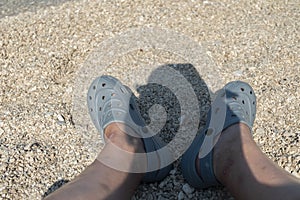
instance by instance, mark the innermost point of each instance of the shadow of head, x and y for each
(169, 88)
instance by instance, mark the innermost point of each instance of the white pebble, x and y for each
(238, 73)
(60, 118)
(260, 131)
(32, 89)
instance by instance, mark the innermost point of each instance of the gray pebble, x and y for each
(187, 189)
(181, 195)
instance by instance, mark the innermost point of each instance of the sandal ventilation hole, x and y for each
(253, 102)
(251, 92)
(122, 89)
(233, 116)
(94, 87)
(91, 109)
(242, 89)
(209, 131)
(131, 106)
(243, 101)
(217, 110)
(113, 94)
(234, 98)
(100, 108)
(103, 84)
(90, 97)
(103, 97)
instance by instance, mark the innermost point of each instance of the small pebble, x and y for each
(238, 73)
(173, 171)
(162, 184)
(187, 189)
(60, 118)
(32, 89)
(161, 198)
(149, 197)
(181, 195)
(260, 131)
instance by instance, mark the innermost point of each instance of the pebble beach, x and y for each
(48, 50)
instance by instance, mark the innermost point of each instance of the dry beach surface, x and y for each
(44, 49)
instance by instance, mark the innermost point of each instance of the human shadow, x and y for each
(10, 8)
(153, 93)
(55, 186)
(156, 94)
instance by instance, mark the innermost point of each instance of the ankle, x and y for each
(229, 148)
(121, 135)
(122, 151)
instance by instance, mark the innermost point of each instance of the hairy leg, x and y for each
(99, 181)
(248, 174)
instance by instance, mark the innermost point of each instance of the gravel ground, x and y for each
(43, 52)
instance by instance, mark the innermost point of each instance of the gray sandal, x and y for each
(239, 103)
(110, 101)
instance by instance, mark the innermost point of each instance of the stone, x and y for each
(149, 197)
(260, 131)
(162, 184)
(161, 198)
(173, 171)
(60, 118)
(238, 73)
(187, 189)
(181, 196)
